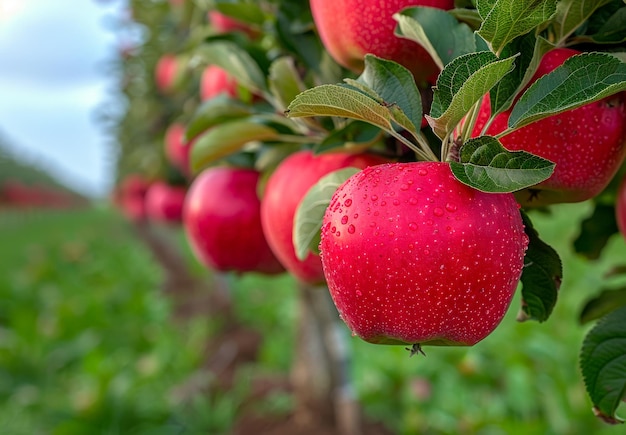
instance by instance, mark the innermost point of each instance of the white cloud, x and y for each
(51, 82)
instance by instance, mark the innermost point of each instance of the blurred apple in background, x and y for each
(215, 81)
(164, 202)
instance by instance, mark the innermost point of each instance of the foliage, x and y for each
(296, 97)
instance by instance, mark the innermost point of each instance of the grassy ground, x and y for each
(87, 345)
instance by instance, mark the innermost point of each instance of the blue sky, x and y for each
(53, 77)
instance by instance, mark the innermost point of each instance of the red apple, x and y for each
(411, 255)
(214, 81)
(222, 220)
(620, 207)
(176, 148)
(350, 29)
(164, 202)
(222, 23)
(167, 73)
(588, 144)
(285, 189)
(130, 197)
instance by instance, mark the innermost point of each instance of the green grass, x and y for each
(87, 345)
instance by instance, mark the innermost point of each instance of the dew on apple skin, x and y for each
(438, 211)
(423, 172)
(413, 200)
(351, 229)
(451, 207)
(374, 197)
(347, 202)
(412, 226)
(344, 219)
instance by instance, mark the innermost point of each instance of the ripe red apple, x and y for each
(285, 189)
(168, 72)
(413, 256)
(214, 81)
(176, 148)
(164, 202)
(620, 207)
(222, 220)
(130, 197)
(350, 29)
(223, 24)
(588, 144)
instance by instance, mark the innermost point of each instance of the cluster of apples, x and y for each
(410, 254)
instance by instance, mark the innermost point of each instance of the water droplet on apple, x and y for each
(404, 186)
(412, 226)
(438, 211)
(358, 293)
(422, 172)
(344, 219)
(374, 197)
(451, 207)
(413, 201)
(348, 202)
(351, 229)
(396, 202)
(333, 229)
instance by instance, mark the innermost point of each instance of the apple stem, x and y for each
(422, 150)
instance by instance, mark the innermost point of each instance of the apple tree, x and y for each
(411, 204)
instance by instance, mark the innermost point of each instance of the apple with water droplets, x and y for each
(620, 207)
(588, 144)
(284, 191)
(350, 29)
(222, 221)
(413, 256)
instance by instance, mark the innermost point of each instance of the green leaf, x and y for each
(603, 364)
(443, 37)
(603, 304)
(461, 84)
(571, 14)
(310, 212)
(215, 111)
(508, 19)
(225, 139)
(489, 167)
(356, 134)
(531, 49)
(541, 277)
(284, 81)
(342, 101)
(394, 84)
(236, 61)
(613, 31)
(580, 80)
(595, 231)
(247, 12)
